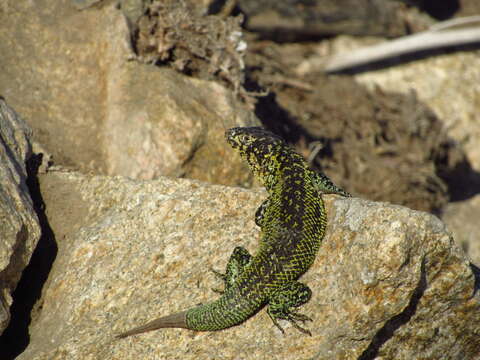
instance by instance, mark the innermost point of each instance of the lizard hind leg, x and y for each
(238, 260)
(283, 302)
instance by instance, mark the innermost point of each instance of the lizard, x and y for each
(292, 221)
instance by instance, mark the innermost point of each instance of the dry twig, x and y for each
(434, 38)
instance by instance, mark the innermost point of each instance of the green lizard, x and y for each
(292, 222)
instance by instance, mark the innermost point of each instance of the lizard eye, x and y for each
(243, 139)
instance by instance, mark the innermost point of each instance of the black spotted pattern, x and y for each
(292, 222)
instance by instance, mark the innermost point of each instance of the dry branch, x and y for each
(427, 40)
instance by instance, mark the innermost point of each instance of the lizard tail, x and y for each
(177, 320)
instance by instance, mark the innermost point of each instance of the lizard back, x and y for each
(293, 223)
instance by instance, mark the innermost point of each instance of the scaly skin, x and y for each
(292, 222)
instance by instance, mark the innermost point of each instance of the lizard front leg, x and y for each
(238, 260)
(324, 185)
(282, 303)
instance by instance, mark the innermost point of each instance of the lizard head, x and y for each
(264, 151)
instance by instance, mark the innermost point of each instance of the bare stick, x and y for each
(406, 45)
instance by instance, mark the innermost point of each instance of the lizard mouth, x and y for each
(237, 138)
(245, 136)
(230, 136)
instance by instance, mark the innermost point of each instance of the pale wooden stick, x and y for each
(406, 45)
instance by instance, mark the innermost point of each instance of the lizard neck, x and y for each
(282, 170)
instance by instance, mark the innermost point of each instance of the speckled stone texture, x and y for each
(388, 282)
(19, 226)
(72, 76)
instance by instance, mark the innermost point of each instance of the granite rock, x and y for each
(19, 225)
(387, 283)
(74, 77)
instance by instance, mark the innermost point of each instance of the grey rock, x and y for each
(171, 125)
(73, 76)
(295, 18)
(462, 219)
(54, 76)
(19, 226)
(84, 4)
(388, 282)
(444, 83)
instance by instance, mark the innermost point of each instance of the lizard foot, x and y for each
(238, 260)
(220, 275)
(281, 304)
